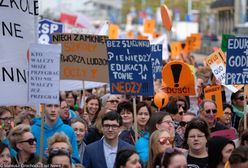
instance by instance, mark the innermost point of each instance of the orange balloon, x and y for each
(161, 99)
(166, 17)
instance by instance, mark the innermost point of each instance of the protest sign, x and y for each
(46, 28)
(224, 41)
(67, 85)
(113, 31)
(44, 74)
(156, 58)
(17, 31)
(214, 93)
(237, 61)
(217, 63)
(130, 67)
(196, 40)
(166, 18)
(84, 57)
(178, 79)
(176, 48)
(149, 26)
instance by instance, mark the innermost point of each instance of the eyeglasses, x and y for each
(209, 110)
(107, 126)
(183, 123)
(164, 140)
(241, 98)
(59, 151)
(7, 118)
(168, 122)
(29, 141)
(113, 101)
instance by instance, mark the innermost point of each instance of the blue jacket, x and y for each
(94, 154)
(49, 132)
(142, 147)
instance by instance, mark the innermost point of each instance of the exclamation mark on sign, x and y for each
(176, 70)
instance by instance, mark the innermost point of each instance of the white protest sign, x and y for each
(44, 66)
(217, 62)
(16, 33)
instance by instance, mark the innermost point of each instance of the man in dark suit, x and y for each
(102, 153)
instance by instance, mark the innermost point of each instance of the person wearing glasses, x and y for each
(54, 124)
(187, 117)
(24, 142)
(173, 158)
(6, 119)
(226, 118)
(196, 135)
(237, 101)
(160, 140)
(208, 111)
(102, 153)
(158, 121)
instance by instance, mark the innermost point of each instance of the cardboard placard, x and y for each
(157, 62)
(237, 61)
(130, 67)
(149, 26)
(214, 93)
(176, 48)
(44, 73)
(178, 79)
(113, 31)
(196, 40)
(217, 63)
(84, 57)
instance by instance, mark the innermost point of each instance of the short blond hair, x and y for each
(16, 134)
(58, 138)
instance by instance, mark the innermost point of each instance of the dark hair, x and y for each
(167, 156)
(58, 152)
(112, 116)
(215, 146)
(74, 120)
(239, 155)
(124, 105)
(3, 146)
(4, 109)
(74, 97)
(196, 123)
(123, 156)
(156, 118)
(144, 104)
(226, 105)
(172, 107)
(235, 95)
(93, 97)
(244, 137)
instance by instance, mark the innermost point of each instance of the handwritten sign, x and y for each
(47, 28)
(156, 58)
(178, 79)
(84, 57)
(44, 73)
(237, 61)
(214, 93)
(217, 63)
(17, 32)
(130, 67)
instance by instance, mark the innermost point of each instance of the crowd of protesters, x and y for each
(107, 131)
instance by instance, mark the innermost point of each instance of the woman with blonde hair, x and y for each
(23, 141)
(160, 140)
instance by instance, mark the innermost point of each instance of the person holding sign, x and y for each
(54, 124)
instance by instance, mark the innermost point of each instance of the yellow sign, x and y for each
(178, 79)
(214, 93)
(196, 40)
